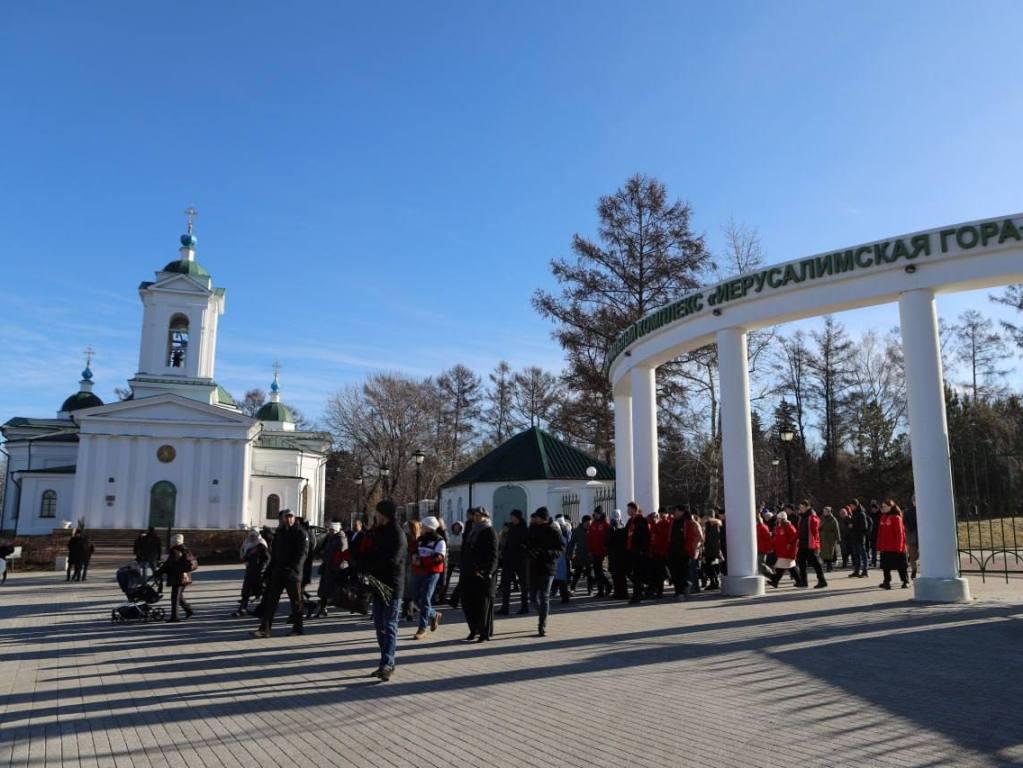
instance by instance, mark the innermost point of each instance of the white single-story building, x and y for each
(530, 470)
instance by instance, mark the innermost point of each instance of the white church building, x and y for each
(178, 452)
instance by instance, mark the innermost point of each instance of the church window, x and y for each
(48, 505)
(177, 342)
(273, 506)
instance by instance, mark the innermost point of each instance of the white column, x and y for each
(737, 457)
(644, 439)
(624, 475)
(939, 579)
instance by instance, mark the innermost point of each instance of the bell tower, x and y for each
(181, 309)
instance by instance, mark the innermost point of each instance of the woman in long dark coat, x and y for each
(479, 569)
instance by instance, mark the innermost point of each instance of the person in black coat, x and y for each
(479, 576)
(76, 555)
(384, 559)
(255, 554)
(288, 554)
(618, 557)
(860, 529)
(148, 549)
(637, 546)
(515, 563)
(677, 556)
(545, 544)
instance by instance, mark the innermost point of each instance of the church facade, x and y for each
(177, 452)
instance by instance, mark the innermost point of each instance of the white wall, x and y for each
(454, 501)
(207, 473)
(32, 488)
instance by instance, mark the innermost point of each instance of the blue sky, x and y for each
(381, 187)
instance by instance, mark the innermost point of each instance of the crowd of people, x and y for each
(402, 571)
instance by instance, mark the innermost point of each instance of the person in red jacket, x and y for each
(785, 543)
(597, 541)
(694, 552)
(765, 545)
(891, 543)
(810, 545)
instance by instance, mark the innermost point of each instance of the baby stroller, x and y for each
(142, 590)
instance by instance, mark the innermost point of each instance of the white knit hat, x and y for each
(430, 523)
(177, 539)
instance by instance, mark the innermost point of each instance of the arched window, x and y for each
(48, 504)
(273, 506)
(177, 342)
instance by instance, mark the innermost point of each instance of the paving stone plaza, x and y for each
(844, 676)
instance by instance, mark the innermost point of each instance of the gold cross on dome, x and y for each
(191, 213)
(89, 353)
(277, 368)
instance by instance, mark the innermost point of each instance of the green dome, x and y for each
(275, 412)
(186, 267)
(80, 400)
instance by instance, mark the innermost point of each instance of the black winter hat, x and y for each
(517, 514)
(387, 509)
(541, 514)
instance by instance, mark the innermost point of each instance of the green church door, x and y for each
(162, 500)
(507, 498)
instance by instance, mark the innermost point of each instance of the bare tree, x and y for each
(534, 395)
(254, 400)
(831, 374)
(791, 366)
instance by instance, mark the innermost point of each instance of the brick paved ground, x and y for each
(850, 676)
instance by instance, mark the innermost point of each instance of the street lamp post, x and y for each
(358, 498)
(419, 457)
(385, 474)
(787, 436)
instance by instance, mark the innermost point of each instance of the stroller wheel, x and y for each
(156, 614)
(113, 617)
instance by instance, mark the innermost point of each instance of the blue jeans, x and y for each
(385, 619)
(540, 596)
(422, 589)
(859, 556)
(693, 569)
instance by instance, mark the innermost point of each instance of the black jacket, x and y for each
(545, 546)
(288, 552)
(387, 556)
(860, 522)
(479, 551)
(147, 548)
(514, 552)
(176, 564)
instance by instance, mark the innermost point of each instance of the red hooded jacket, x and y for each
(660, 537)
(764, 543)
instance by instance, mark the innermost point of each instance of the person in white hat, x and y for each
(429, 562)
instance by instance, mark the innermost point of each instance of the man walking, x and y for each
(859, 528)
(677, 550)
(384, 560)
(637, 545)
(545, 545)
(289, 550)
(515, 563)
(809, 545)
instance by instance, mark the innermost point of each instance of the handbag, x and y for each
(186, 579)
